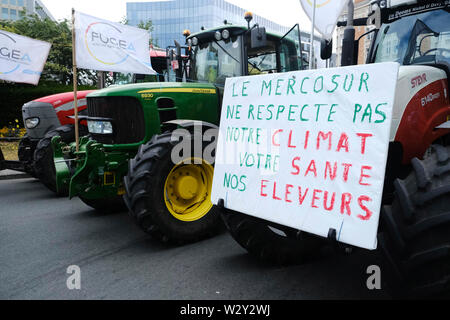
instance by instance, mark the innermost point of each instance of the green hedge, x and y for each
(14, 96)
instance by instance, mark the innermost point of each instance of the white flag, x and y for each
(327, 14)
(108, 46)
(22, 59)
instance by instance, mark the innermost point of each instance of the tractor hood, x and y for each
(414, 84)
(421, 104)
(147, 107)
(143, 90)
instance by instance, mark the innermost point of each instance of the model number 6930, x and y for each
(147, 96)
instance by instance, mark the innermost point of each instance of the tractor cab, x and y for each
(416, 39)
(416, 34)
(159, 60)
(233, 51)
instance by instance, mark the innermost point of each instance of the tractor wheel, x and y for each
(271, 242)
(415, 240)
(44, 166)
(110, 205)
(171, 202)
(25, 154)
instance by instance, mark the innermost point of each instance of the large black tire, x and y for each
(415, 230)
(44, 166)
(271, 242)
(26, 155)
(110, 205)
(144, 196)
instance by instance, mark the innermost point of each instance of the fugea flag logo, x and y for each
(22, 59)
(108, 46)
(98, 43)
(326, 14)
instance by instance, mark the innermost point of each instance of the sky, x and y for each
(284, 12)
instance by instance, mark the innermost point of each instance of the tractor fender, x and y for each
(418, 130)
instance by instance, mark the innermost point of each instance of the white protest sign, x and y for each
(308, 149)
(108, 46)
(22, 59)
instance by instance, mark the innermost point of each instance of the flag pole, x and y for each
(311, 46)
(75, 82)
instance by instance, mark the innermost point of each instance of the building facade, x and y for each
(170, 18)
(12, 9)
(362, 8)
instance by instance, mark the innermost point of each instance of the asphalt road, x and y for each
(40, 236)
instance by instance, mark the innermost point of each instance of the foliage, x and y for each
(13, 130)
(146, 25)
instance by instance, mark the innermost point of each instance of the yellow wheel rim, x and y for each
(187, 191)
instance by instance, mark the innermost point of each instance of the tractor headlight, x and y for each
(225, 34)
(218, 36)
(31, 123)
(100, 127)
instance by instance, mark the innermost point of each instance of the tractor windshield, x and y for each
(127, 78)
(159, 64)
(420, 39)
(215, 61)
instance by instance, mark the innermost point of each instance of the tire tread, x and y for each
(416, 236)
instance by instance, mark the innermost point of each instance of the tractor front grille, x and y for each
(128, 118)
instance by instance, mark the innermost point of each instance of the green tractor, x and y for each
(128, 155)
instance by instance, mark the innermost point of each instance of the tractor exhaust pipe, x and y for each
(348, 42)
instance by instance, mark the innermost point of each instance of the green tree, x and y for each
(146, 25)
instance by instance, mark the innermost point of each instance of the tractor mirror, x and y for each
(326, 49)
(172, 55)
(375, 18)
(258, 37)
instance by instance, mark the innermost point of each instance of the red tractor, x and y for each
(414, 233)
(40, 117)
(44, 118)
